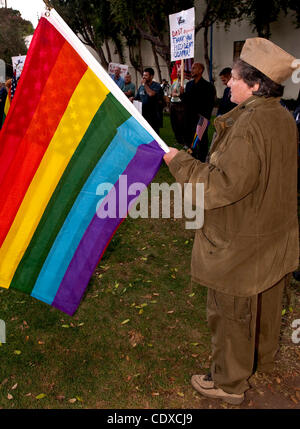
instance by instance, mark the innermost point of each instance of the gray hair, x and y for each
(251, 76)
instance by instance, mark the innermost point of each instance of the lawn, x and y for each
(137, 337)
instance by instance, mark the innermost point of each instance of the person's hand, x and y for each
(181, 90)
(170, 155)
(131, 99)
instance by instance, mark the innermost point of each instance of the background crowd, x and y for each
(189, 100)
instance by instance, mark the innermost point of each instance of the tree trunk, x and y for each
(136, 63)
(205, 40)
(103, 60)
(108, 51)
(156, 61)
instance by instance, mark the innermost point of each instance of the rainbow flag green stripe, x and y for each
(50, 168)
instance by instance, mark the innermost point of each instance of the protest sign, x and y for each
(112, 67)
(182, 34)
(18, 64)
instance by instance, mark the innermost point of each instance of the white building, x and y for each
(224, 44)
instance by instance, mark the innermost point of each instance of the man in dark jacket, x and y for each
(198, 98)
(225, 104)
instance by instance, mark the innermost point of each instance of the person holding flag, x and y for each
(249, 243)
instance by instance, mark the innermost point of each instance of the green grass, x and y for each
(139, 334)
(95, 357)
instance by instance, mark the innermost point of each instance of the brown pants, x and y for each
(245, 334)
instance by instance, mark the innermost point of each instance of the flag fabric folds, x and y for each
(69, 128)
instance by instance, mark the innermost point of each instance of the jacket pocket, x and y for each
(214, 238)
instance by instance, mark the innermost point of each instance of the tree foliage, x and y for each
(94, 22)
(130, 22)
(13, 29)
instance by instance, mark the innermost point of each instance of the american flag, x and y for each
(201, 127)
(13, 85)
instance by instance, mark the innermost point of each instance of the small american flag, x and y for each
(201, 127)
(13, 85)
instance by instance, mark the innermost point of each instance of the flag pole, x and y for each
(182, 73)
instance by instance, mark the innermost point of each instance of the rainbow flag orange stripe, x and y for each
(69, 129)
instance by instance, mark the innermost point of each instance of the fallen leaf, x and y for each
(28, 394)
(180, 394)
(283, 312)
(14, 386)
(125, 321)
(65, 326)
(17, 352)
(155, 394)
(278, 380)
(9, 396)
(170, 312)
(41, 396)
(79, 399)
(298, 395)
(41, 342)
(72, 400)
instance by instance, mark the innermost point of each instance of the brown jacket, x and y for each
(249, 240)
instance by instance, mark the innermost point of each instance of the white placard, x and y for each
(138, 105)
(112, 67)
(182, 34)
(18, 64)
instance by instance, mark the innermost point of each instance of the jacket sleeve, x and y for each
(231, 174)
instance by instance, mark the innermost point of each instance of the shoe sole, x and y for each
(227, 399)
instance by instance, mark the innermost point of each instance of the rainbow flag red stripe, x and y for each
(69, 129)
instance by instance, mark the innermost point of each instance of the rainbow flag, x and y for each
(69, 129)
